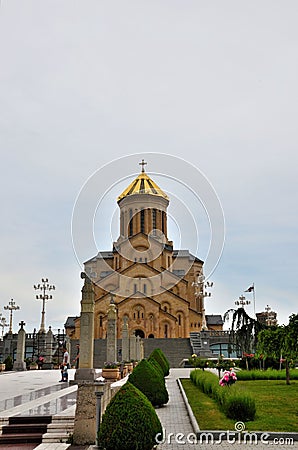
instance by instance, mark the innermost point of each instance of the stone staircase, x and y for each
(175, 349)
(60, 429)
(24, 429)
(195, 342)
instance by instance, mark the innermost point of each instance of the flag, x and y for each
(250, 289)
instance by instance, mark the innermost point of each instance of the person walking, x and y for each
(65, 365)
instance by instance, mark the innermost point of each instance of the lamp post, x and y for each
(3, 324)
(45, 286)
(242, 301)
(11, 307)
(202, 293)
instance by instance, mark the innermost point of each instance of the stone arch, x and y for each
(138, 312)
(165, 331)
(139, 332)
(165, 306)
(176, 290)
(151, 324)
(180, 324)
(100, 324)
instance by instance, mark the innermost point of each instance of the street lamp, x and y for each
(45, 286)
(202, 293)
(11, 307)
(242, 301)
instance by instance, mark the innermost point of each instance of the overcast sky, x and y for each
(85, 83)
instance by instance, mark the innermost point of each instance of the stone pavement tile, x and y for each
(52, 446)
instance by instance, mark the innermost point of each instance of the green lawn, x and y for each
(276, 403)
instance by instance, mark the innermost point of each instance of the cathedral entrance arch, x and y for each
(140, 333)
(151, 335)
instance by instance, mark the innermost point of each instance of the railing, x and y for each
(219, 333)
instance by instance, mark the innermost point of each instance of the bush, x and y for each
(156, 366)
(269, 374)
(235, 404)
(159, 356)
(8, 363)
(129, 422)
(239, 406)
(149, 381)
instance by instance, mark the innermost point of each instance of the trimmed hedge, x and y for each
(156, 366)
(269, 374)
(159, 356)
(150, 381)
(235, 403)
(129, 422)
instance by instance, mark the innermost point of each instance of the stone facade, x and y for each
(153, 284)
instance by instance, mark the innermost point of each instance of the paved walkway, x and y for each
(36, 392)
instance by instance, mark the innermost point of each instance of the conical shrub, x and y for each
(157, 366)
(159, 356)
(146, 378)
(129, 422)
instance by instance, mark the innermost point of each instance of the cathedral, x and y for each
(158, 290)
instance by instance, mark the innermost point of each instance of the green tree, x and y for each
(244, 330)
(280, 343)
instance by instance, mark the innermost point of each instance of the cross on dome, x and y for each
(143, 164)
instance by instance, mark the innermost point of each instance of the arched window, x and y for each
(130, 231)
(166, 330)
(145, 288)
(142, 221)
(163, 222)
(154, 221)
(122, 224)
(138, 312)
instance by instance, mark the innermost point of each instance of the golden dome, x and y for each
(143, 184)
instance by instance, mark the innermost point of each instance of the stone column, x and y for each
(141, 349)
(112, 332)
(132, 347)
(138, 348)
(125, 340)
(86, 370)
(19, 363)
(85, 416)
(49, 339)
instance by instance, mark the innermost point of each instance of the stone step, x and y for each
(59, 430)
(20, 438)
(16, 420)
(23, 428)
(61, 436)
